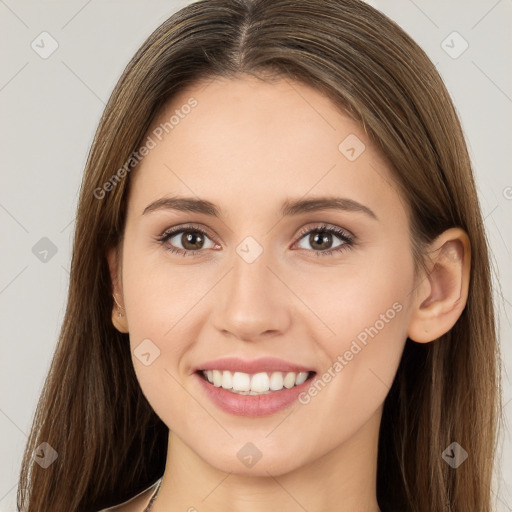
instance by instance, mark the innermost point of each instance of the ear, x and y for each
(442, 294)
(118, 312)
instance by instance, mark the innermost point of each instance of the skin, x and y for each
(247, 146)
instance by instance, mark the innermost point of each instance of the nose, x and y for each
(252, 303)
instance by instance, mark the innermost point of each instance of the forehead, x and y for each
(259, 141)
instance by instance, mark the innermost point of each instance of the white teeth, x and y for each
(289, 380)
(241, 381)
(276, 381)
(260, 382)
(256, 384)
(217, 378)
(227, 380)
(301, 378)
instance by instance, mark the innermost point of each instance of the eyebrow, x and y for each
(288, 208)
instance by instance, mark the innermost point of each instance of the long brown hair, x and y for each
(109, 441)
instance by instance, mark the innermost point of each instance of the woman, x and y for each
(210, 359)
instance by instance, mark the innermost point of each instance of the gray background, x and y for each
(50, 108)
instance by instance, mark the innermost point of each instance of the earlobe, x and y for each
(119, 319)
(442, 294)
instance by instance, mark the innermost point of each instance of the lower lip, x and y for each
(252, 405)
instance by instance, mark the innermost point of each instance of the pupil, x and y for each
(319, 239)
(189, 241)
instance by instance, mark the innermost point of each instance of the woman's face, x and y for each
(266, 280)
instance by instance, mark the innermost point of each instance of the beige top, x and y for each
(137, 503)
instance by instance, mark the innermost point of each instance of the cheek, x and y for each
(363, 301)
(158, 301)
(367, 309)
(160, 311)
(158, 294)
(371, 313)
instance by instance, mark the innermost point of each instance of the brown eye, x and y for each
(192, 240)
(186, 240)
(321, 239)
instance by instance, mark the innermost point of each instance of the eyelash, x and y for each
(345, 236)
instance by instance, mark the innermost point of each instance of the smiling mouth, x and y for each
(262, 383)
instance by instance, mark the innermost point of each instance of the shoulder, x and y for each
(136, 504)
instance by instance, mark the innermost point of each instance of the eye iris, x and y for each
(192, 240)
(318, 239)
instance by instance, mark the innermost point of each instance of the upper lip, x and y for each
(263, 364)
